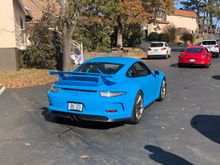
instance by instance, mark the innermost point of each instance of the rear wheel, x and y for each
(207, 66)
(138, 109)
(163, 91)
(179, 65)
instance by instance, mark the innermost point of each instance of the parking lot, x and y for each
(181, 130)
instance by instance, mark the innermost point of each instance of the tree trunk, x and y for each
(66, 48)
(119, 38)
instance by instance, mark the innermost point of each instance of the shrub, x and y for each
(132, 35)
(93, 36)
(172, 32)
(164, 37)
(45, 51)
(41, 53)
(153, 36)
(104, 49)
(186, 36)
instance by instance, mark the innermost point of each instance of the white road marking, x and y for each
(2, 89)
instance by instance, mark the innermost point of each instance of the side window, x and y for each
(138, 70)
(131, 72)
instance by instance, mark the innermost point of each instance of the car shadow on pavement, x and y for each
(83, 124)
(208, 125)
(216, 77)
(165, 158)
(175, 65)
(153, 58)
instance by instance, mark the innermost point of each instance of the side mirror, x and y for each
(156, 72)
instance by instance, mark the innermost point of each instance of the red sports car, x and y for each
(195, 55)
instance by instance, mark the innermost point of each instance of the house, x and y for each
(183, 20)
(13, 16)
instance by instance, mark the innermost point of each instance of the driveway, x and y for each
(181, 130)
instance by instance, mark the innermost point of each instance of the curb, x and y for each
(2, 89)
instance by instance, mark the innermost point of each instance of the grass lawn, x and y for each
(26, 78)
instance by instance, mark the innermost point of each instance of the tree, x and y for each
(205, 9)
(102, 17)
(139, 11)
(186, 36)
(171, 31)
(211, 8)
(71, 10)
(41, 53)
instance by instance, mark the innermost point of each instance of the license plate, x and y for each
(75, 107)
(191, 60)
(155, 50)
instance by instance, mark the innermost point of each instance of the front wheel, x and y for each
(163, 91)
(138, 109)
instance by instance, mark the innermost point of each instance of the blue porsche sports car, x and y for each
(106, 89)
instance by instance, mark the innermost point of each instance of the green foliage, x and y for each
(24, 58)
(44, 50)
(172, 32)
(186, 37)
(208, 9)
(104, 49)
(153, 36)
(164, 37)
(93, 36)
(132, 35)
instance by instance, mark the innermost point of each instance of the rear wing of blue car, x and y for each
(83, 77)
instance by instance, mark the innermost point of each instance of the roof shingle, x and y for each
(185, 13)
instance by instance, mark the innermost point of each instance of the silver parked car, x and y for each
(159, 49)
(212, 46)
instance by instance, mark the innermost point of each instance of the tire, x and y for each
(207, 66)
(166, 56)
(163, 90)
(138, 109)
(179, 65)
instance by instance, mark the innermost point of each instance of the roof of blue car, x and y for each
(120, 60)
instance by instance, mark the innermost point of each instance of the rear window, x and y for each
(209, 42)
(156, 45)
(194, 50)
(100, 67)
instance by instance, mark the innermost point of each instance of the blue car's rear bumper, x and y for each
(95, 107)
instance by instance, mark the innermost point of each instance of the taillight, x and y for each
(149, 49)
(216, 46)
(163, 48)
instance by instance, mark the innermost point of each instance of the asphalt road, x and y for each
(181, 130)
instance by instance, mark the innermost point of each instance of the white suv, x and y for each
(160, 49)
(212, 47)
